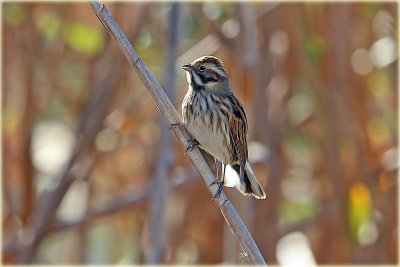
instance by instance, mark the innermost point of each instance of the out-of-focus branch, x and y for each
(157, 234)
(50, 201)
(215, 28)
(13, 246)
(28, 196)
(248, 41)
(91, 122)
(211, 43)
(125, 201)
(170, 114)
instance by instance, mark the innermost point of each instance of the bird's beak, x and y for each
(187, 67)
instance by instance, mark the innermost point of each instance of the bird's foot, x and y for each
(174, 124)
(220, 187)
(192, 144)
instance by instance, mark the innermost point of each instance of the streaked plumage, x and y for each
(216, 119)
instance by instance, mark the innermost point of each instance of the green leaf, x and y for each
(315, 47)
(49, 25)
(14, 14)
(84, 38)
(290, 212)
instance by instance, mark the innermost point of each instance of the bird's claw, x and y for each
(220, 187)
(215, 182)
(192, 144)
(174, 124)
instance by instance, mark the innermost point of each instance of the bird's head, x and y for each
(207, 73)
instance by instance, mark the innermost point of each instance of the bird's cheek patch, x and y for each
(197, 79)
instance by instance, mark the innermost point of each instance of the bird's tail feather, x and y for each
(248, 185)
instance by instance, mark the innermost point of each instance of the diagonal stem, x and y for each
(171, 116)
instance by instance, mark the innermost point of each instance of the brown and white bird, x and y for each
(217, 122)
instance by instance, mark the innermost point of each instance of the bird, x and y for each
(217, 122)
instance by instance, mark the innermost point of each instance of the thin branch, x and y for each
(157, 231)
(171, 115)
(126, 201)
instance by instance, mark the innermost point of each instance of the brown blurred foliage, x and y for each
(82, 138)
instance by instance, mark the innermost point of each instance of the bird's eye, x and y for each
(203, 67)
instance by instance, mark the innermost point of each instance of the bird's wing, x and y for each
(238, 130)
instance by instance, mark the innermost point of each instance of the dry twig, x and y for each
(170, 114)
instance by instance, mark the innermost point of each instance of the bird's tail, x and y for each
(248, 185)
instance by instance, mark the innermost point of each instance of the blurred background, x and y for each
(91, 174)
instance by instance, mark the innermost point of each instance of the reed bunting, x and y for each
(217, 122)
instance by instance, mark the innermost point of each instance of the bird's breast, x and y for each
(204, 122)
